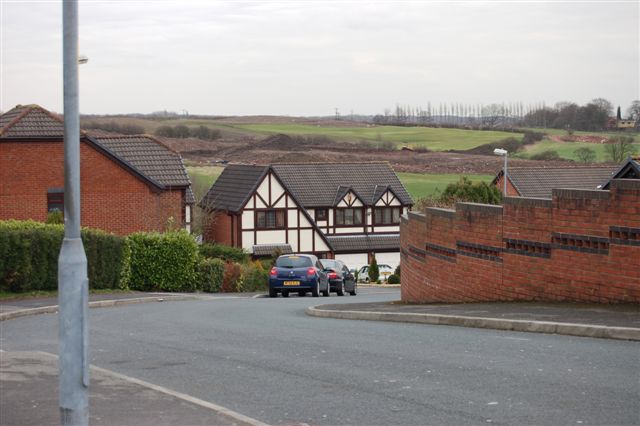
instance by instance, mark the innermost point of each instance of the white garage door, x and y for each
(353, 261)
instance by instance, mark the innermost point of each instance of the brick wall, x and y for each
(112, 198)
(579, 246)
(219, 228)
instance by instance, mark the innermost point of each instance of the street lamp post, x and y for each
(72, 262)
(504, 153)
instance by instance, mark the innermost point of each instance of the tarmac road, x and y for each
(266, 359)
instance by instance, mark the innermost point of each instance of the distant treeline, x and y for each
(114, 127)
(593, 116)
(181, 131)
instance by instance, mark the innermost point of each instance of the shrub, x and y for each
(393, 279)
(374, 271)
(585, 154)
(29, 256)
(55, 217)
(547, 155)
(210, 274)
(397, 271)
(466, 191)
(162, 262)
(231, 277)
(531, 137)
(254, 278)
(227, 253)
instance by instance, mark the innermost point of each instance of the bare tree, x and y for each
(620, 148)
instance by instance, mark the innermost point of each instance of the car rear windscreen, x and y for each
(293, 262)
(329, 263)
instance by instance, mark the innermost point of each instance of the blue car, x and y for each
(299, 273)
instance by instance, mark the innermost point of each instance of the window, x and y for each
(346, 217)
(270, 219)
(55, 199)
(321, 214)
(386, 215)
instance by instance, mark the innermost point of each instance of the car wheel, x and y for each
(326, 293)
(285, 294)
(315, 292)
(341, 289)
(355, 290)
(273, 293)
(366, 280)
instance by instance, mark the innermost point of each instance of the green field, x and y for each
(419, 185)
(567, 150)
(435, 139)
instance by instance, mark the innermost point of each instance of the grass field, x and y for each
(567, 149)
(435, 139)
(419, 185)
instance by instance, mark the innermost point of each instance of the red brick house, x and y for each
(128, 183)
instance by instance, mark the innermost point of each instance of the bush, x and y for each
(231, 277)
(531, 137)
(374, 271)
(210, 274)
(585, 155)
(254, 278)
(227, 253)
(393, 279)
(29, 256)
(397, 271)
(162, 262)
(55, 217)
(548, 155)
(466, 191)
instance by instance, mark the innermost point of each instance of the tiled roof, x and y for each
(148, 156)
(270, 249)
(30, 121)
(317, 184)
(362, 243)
(630, 169)
(538, 182)
(233, 187)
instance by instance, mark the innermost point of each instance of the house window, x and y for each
(55, 199)
(321, 214)
(348, 217)
(270, 219)
(386, 215)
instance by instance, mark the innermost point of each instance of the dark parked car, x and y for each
(299, 273)
(341, 279)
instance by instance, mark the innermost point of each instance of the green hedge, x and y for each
(219, 251)
(210, 274)
(162, 262)
(29, 256)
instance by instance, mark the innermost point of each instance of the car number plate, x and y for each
(292, 283)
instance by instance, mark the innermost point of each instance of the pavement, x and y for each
(29, 396)
(587, 320)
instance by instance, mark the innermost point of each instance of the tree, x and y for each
(619, 148)
(603, 105)
(585, 155)
(466, 191)
(619, 115)
(374, 271)
(633, 112)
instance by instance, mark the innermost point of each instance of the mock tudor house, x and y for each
(127, 183)
(348, 211)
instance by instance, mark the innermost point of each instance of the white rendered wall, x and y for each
(247, 219)
(271, 237)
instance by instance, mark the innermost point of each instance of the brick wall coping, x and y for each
(527, 202)
(417, 216)
(581, 194)
(479, 208)
(438, 211)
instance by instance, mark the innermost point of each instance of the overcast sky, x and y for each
(307, 58)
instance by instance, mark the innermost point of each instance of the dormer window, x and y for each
(349, 216)
(386, 216)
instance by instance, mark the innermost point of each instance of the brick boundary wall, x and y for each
(579, 246)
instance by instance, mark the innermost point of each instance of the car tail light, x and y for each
(311, 271)
(273, 272)
(333, 275)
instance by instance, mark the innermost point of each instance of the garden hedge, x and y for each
(29, 256)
